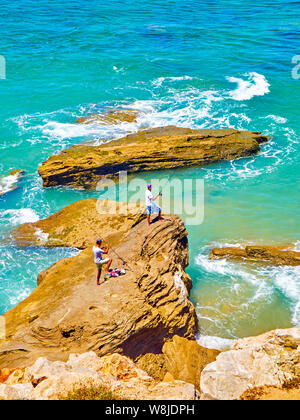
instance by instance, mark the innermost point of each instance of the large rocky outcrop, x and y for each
(46, 380)
(159, 148)
(271, 359)
(281, 255)
(133, 314)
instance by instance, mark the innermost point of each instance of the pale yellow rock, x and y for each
(16, 392)
(56, 380)
(19, 376)
(168, 377)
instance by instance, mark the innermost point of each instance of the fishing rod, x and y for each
(122, 259)
(163, 186)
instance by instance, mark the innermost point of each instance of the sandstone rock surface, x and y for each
(133, 314)
(279, 255)
(80, 224)
(159, 148)
(46, 380)
(271, 359)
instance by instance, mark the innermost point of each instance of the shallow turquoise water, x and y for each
(208, 64)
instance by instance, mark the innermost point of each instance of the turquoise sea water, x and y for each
(198, 64)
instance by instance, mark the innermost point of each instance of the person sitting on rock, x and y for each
(99, 261)
(151, 206)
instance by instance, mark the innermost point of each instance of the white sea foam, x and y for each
(213, 342)
(159, 81)
(181, 104)
(14, 300)
(19, 216)
(296, 246)
(276, 118)
(286, 279)
(255, 85)
(8, 183)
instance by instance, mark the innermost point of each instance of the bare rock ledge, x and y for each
(46, 380)
(278, 255)
(83, 166)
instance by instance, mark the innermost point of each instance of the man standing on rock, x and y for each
(151, 206)
(99, 261)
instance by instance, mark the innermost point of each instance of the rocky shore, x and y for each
(133, 336)
(83, 166)
(133, 314)
(263, 367)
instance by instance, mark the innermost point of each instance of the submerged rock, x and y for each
(279, 255)
(155, 149)
(133, 314)
(271, 359)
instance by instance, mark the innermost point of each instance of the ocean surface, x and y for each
(198, 64)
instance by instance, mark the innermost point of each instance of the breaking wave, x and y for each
(255, 85)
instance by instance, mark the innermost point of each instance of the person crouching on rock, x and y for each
(151, 206)
(99, 261)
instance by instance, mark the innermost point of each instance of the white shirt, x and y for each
(149, 198)
(97, 254)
